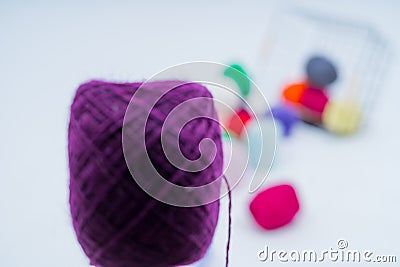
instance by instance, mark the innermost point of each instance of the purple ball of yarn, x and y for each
(116, 222)
(286, 116)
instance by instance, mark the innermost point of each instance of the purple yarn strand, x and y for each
(228, 244)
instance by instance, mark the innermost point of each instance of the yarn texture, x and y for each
(116, 222)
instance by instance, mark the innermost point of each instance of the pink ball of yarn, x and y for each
(116, 222)
(313, 102)
(275, 206)
(314, 99)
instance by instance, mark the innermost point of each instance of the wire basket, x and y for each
(360, 53)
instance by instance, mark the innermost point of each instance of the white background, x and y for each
(348, 187)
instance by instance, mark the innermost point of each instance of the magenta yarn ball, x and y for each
(275, 206)
(314, 100)
(115, 221)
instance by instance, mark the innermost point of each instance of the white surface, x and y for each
(348, 186)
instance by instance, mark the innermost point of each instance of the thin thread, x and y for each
(229, 222)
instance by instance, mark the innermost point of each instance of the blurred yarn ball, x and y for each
(263, 136)
(320, 71)
(237, 122)
(275, 207)
(313, 102)
(239, 75)
(293, 92)
(342, 117)
(116, 222)
(285, 117)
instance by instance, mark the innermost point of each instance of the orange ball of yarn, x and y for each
(293, 92)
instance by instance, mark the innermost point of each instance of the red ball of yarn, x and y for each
(275, 206)
(238, 121)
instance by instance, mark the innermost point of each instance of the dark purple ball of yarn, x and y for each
(116, 222)
(320, 71)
